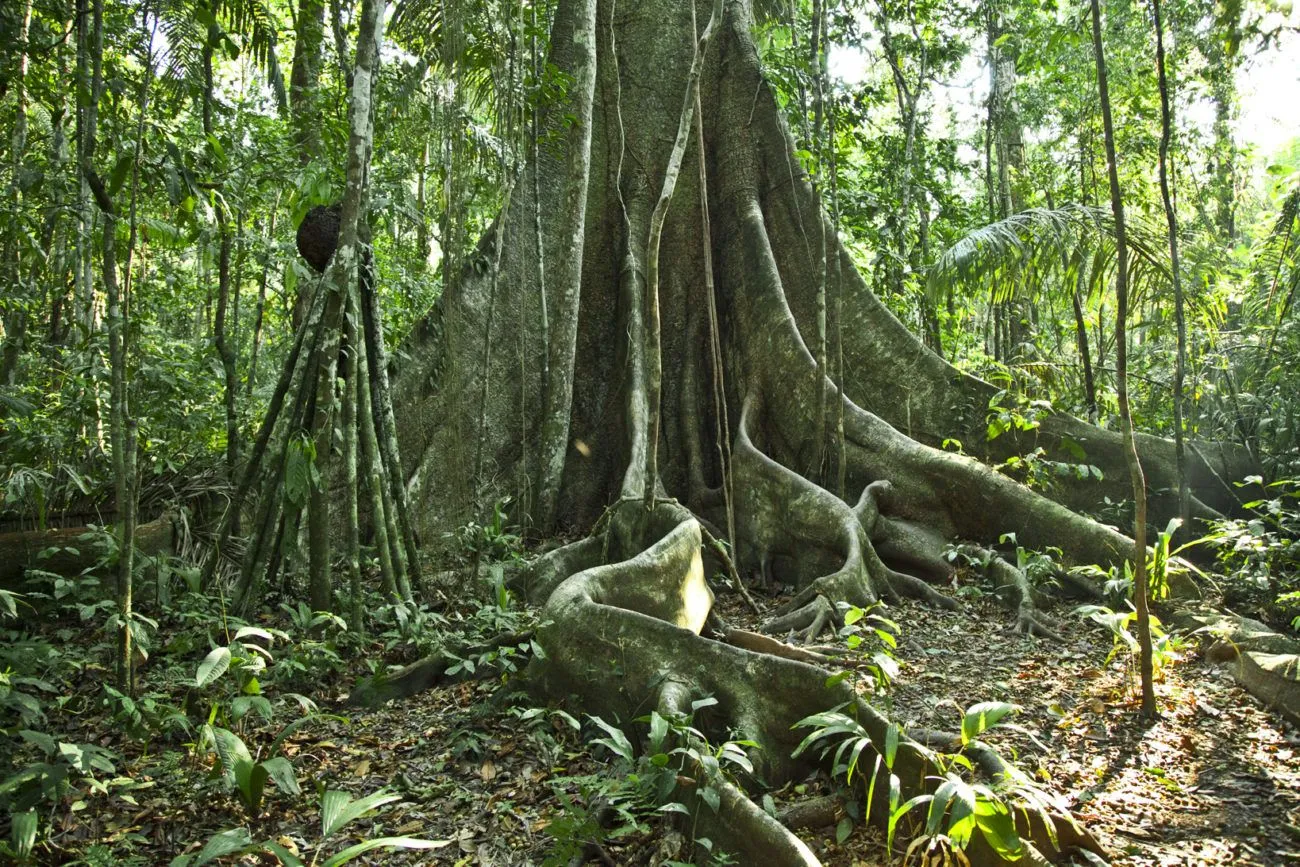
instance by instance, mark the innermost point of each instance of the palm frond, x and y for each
(184, 24)
(1036, 251)
(461, 41)
(1276, 258)
(256, 23)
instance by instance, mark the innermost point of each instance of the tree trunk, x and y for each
(736, 230)
(1171, 221)
(1138, 480)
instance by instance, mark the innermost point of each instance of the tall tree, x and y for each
(1141, 594)
(1175, 267)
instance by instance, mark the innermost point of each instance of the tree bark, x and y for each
(1171, 221)
(1141, 595)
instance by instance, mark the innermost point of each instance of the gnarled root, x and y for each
(782, 514)
(624, 637)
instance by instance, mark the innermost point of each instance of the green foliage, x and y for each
(861, 625)
(956, 807)
(649, 784)
(1260, 554)
(338, 809)
(242, 773)
(493, 541)
(1165, 647)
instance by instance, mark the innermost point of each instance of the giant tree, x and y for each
(676, 381)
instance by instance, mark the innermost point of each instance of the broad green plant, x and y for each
(337, 810)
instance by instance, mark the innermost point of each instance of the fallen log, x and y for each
(73, 550)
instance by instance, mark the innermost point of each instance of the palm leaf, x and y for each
(1029, 254)
(1277, 256)
(462, 41)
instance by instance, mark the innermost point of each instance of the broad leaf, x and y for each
(280, 769)
(981, 717)
(218, 846)
(22, 833)
(338, 808)
(383, 843)
(212, 667)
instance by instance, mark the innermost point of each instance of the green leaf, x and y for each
(241, 705)
(212, 667)
(939, 805)
(218, 846)
(658, 731)
(900, 812)
(892, 734)
(995, 823)
(617, 742)
(843, 830)
(709, 795)
(871, 785)
(251, 778)
(961, 821)
(983, 716)
(119, 173)
(40, 739)
(22, 833)
(338, 809)
(231, 750)
(255, 632)
(280, 770)
(383, 843)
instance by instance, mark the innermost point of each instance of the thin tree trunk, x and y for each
(1081, 339)
(422, 227)
(220, 337)
(15, 324)
(1140, 592)
(392, 576)
(293, 377)
(544, 329)
(223, 343)
(351, 516)
(340, 279)
(498, 245)
(381, 398)
(817, 61)
(261, 306)
(1171, 220)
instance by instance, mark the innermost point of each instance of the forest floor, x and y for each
(1216, 780)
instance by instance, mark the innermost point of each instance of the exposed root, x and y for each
(809, 620)
(1012, 587)
(763, 644)
(817, 813)
(914, 588)
(625, 637)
